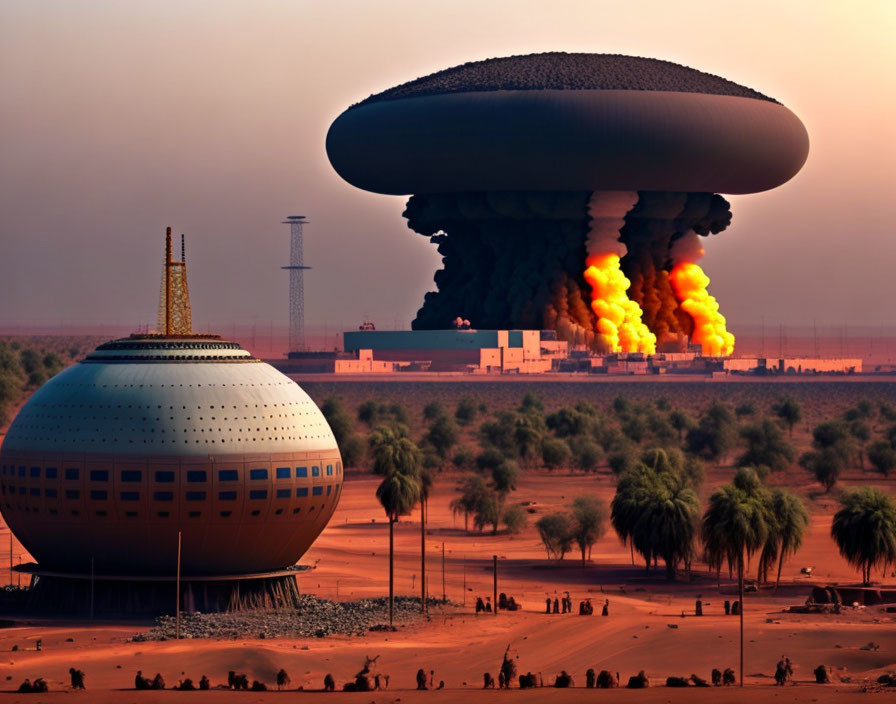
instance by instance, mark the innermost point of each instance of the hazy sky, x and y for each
(119, 118)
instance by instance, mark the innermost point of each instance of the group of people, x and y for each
(783, 671)
(563, 605)
(505, 603)
(424, 682)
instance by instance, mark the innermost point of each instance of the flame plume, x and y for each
(618, 317)
(619, 323)
(689, 283)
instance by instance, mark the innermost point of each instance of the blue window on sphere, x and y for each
(72, 494)
(21, 471)
(99, 494)
(302, 491)
(329, 489)
(258, 494)
(165, 477)
(132, 475)
(301, 471)
(315, 471)
(195, 496)
(99, 475)
(317, 491)
(35, 471)
(163, 496)
(282, 472)
(34, 491)
(283, 493)
(228, 475)
(130, 496)
(329, 470)
(50, 493)
(197, 475)
(258, 474)
(227, 495)
(52, 472)
(72, 473)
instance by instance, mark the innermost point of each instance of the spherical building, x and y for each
(153, 436)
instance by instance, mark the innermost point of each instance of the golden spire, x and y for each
(174, 302)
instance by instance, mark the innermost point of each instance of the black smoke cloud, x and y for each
(516, 259)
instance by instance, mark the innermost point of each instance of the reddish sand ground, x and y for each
(645, 629)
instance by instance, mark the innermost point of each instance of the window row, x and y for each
(103, 495)
(163, 514)
(168, 476)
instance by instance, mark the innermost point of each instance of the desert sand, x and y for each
(645, 628)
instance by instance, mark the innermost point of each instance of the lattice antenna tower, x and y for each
(175, 317)
(296, 270)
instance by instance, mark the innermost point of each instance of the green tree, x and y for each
(789, 411)
(865, 529)
(556, 533)
(681, 422)
(736, 525)
(394, 451)
(472, 489)
(555, 453)
(586, 454)
(588, 517)
(465, 413)
(433, 410)
(789, 521)
(715, 434)
(442, 435)
(833, 447)
(766, 446)
(514, 519)
(861, 433)
(337, 419)
(882, 456)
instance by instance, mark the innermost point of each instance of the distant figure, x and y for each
(605, 611)
(502, 600)
(698, 608)
(589, 678)
(441, 684)
(563, 680)
(677, 682)
(488, 604)
(231, 679)
(556, 605)
(821, 675)
(780, 672)
(77, 677)
(26, 687)
(605, 680)
(480, 605)
(508, 668)
(186, 685)
(563, 605)
(158, 682)
(140, 682)
(421, 679)
(699, 681)
(39, 686)
(488, 682)
(716, 677)
(282, 679)
(728, 677)
(727, 607)
(500, 680)
(329, 683)
(259, 686)
(204, 684)
(639, 681)
(547, 605)
(735, 608)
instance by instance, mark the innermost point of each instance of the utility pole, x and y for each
(177, 592)
(495, 583)
(444, 597)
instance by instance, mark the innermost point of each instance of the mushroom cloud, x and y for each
(571, 192)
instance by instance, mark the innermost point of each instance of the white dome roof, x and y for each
(169, 397)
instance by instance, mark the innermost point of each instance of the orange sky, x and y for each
(119, 118)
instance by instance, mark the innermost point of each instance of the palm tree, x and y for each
(656, 511)
(398, 460)
(865, 529)
(736, 524)
(789, 522)
(397, 494)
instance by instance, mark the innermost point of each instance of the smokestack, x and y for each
(168, 280)
(183, 249)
